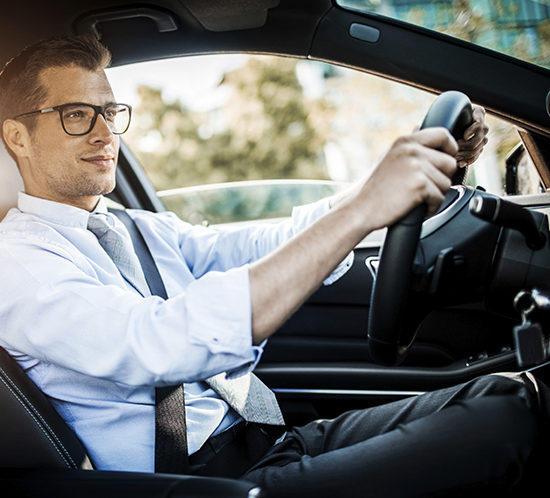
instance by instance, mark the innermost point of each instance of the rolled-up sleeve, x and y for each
(219, 317)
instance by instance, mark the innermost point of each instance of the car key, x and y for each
(528, 336)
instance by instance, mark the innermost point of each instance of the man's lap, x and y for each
(468, 434)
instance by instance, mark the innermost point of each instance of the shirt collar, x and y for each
(57, 212)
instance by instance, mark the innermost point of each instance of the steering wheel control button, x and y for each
(364, 33)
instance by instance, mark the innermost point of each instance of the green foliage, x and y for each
(263, 131)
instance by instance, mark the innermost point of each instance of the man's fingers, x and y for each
(478, 127)
(428, 176)
(474, 139)
(433, 198)
(443, 162)
(478, 114)
(437, 138)
(468, 154)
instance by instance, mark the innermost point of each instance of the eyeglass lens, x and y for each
(78, 118)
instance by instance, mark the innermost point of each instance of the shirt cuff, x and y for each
(224, 299)
(250, 366)
(340, 270)
(303, 216)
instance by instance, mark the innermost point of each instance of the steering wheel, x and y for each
(388, 337)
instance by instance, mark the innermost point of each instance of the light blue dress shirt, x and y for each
(98, 348)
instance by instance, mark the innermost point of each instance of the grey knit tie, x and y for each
(249, 397)
(119, 247)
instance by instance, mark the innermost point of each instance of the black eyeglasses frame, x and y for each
(98, 109)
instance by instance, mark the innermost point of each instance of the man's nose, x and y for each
(101, 130)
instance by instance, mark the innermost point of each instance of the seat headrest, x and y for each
(10, 182)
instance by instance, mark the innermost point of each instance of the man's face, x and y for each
(71, 169)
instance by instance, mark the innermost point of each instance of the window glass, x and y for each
(520, 28)
(234, 138)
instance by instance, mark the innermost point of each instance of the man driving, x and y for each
(77, 313)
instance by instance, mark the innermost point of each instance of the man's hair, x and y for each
(20, 88)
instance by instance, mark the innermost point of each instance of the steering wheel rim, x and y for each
(387, 337)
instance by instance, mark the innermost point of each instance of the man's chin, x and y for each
(95, 190)
(108, 189)
(105, 186)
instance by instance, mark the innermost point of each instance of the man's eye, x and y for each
(75, 114)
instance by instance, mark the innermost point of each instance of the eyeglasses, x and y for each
(79, 118)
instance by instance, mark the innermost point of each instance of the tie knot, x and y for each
(118, 245)
(98, 224)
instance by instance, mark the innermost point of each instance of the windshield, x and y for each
(520, 28)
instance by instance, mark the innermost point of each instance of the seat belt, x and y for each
(170, 429)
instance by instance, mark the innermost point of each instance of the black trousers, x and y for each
(456, 440)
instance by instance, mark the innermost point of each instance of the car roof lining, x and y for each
(233, 22)
(312, 28)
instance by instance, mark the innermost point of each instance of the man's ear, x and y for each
(17, 137)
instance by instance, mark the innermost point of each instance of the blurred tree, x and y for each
(262, 132)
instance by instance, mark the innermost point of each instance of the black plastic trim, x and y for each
(134, 189)
(374, 377)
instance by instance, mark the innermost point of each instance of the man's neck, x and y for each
(88, 203)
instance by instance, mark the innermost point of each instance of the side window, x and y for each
(235, 138)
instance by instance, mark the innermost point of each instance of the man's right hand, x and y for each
(417, 168)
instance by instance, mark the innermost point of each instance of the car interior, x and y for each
(402, 321)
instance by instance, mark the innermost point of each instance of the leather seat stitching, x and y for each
(37, 413)
(37, 423)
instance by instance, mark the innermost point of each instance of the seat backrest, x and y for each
(32, 433)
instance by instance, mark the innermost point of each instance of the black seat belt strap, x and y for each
(170, 429)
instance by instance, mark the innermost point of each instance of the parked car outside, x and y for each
(233, 202)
